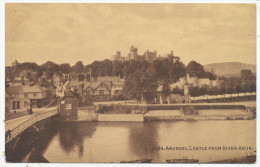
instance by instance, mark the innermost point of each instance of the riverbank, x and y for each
(213, 114)
(164, 115)
(175, 112)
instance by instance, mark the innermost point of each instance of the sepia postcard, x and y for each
(130, 83)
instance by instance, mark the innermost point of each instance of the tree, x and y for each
(132, 86)
(204, 90)
(78, 67)
(195, 69)
(49, 68)
(28, 66)
(210, 75)
(177, 90)
(141, 85)
(65, 68)
(194, 91)
(252, 87)
(162, 68)
(117, 68)
(177, 72)
(213, 90)
(238, 88)
(245, 75)
(230, 87)
(166, 89)
(223, 88)
(107, 68)
(245, 87)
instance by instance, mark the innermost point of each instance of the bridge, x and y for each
(18, 125)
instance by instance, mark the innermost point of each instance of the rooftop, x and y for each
(25, 89)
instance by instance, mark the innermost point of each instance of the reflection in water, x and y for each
(73, 134)
(122, 141)
(142, 137)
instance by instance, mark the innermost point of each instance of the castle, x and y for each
(147, 56)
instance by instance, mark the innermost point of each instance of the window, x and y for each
(25, 95)
(68, 106)
(34, 94)
(18, 105)
(101, 92)
(13, 105)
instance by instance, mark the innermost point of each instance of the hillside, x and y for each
(229, 69)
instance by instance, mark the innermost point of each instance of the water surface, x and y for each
(122, 141)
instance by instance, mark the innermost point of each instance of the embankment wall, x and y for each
(121, 117)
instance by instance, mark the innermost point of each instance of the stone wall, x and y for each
(198, 107)
(87, 115)
(121, 117)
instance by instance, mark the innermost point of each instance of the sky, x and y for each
(67, 33)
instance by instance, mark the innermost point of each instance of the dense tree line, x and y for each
(49, 68)
(163, 69)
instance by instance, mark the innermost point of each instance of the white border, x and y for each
(129, 1)
(2, 78)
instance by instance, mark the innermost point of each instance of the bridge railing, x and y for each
(23, 126)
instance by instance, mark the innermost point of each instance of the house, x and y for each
(108, 78)
(117, 87)
(62, 88)
(98, 88)
(25, 75)
(59, 78)
(22, 96)
(43, 79)
(172, 98)
(69, 105)
(73, 76)
(68, 101)
(194, 81)
(97, 91)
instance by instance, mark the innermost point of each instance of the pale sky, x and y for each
(67, 33)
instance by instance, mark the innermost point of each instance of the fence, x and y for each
(222, 96)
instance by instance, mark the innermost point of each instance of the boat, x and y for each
(138, 161)
(183, 160)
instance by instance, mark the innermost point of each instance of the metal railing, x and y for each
(23, 126)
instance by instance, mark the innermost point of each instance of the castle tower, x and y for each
(133, 53)
(117, 56)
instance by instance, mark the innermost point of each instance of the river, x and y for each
(122, 141)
